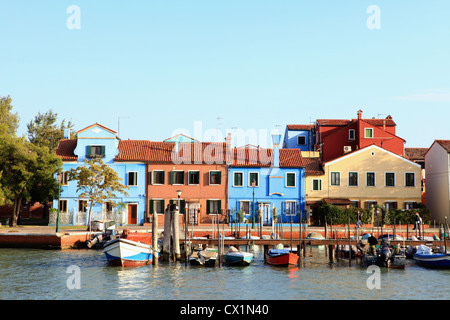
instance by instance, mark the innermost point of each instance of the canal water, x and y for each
(85, 274)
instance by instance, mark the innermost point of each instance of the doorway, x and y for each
(265, 211)
(132, 214)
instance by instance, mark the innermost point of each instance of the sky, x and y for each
(151, 69)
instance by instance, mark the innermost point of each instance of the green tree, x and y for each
(44, 131)
(97, 182)
(8, 120)
(27, 173)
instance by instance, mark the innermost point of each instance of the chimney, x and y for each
(67, 133)
(229, 153)
(276, 138)
(359, 114)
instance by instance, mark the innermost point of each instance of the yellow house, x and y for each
(365, 177)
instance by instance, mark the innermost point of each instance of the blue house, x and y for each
(97, 141)
(299, 136)
(264, 179)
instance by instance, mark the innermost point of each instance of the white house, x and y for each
(437, 167)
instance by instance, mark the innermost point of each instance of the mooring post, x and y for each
(155, 238)
(330, 252)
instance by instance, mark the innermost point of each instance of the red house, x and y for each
(336, 137)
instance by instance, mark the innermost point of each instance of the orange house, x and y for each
(197, 169)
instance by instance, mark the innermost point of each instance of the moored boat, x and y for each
(130, 250)
(280, 256)
(206, 257)
(237, 258)
(426, 257)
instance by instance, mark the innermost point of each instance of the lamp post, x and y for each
(59, 178)
(253, 217)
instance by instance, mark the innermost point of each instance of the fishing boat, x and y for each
(426, 257)
(132, 249)
(205, 257)
(237, 258)
(280, 256)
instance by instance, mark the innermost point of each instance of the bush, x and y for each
(339, 215)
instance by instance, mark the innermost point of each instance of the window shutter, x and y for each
(88, 151)
(207, 206)
(163, 206)
(220, 204)
(151, 207)
(182, 206)
(172, 174)
(219, 178)
(103, 151)
(163, 177)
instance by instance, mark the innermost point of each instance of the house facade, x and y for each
(437, 166)
(197, 169)
(299, 136)
(362, 178)
(97, 141)
(336, 137)
(264, 179)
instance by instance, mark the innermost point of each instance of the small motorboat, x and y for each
(280, 256)
(132, 249)
(427, 258)
(205, 257)
(235, 257)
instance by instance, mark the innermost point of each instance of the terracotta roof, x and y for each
(133, 150)
(300, 126)
(334, 122)
(444, 144)
(66, 148)
(415, 153)
(343, 122)
(262, 157)
(313, 166)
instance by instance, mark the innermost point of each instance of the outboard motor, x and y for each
(385, 254)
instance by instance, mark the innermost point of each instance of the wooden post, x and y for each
(155, 238)
(176, 234)
(349, 243)
(266, 250)
(330, 252)
(167, 233)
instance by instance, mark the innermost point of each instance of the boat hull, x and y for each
(435, 260)
(127, 253)
(238, 258)
(282, 259)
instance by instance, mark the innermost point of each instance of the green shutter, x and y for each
(163, 206)
(88, 151)
(151, 207)
(172, 174)
(220, 177)
(163, 177)
(182, 205)
(220, 206)
(103, 151)
(207, 207)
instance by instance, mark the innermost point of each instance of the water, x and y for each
(43, 274)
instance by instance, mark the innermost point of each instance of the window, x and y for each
(353, 179)
(108, 206)
(244, 206)
(290, 179)
(370, 204)
(370, 179)
(354, 204)
(410, 179)
(410, 205)
(215, 177)
(157, 205)
(182, 208)
(82, 205)
(213, 206)
(238, 179)
(301, 140)
(253, 177)
(63, 205)
(65, 178)
(335, 178)
(194, 177)
(157, 177)
(291, 208)
(95, 151)
(368, 133)
(390, 179)
(177, 177)
(132, 178)
(317, 184)
(351, 134)
(390, 205)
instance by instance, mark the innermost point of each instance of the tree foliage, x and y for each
(97, 182)
(8, 120)
(44, 131)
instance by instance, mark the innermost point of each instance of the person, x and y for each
(373, 245)
(417, 221)
(358, 219)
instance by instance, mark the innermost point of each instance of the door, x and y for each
(193, 208)
(132, 214)
(266, 216)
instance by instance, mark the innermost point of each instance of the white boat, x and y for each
(126, 252)
(237, 258)
(426, 257)
(206, 257)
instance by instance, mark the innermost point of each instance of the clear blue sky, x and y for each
(256, 64)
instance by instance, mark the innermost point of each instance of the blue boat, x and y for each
(237, 258)
(426, 257)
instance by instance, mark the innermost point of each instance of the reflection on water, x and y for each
(42, 274)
